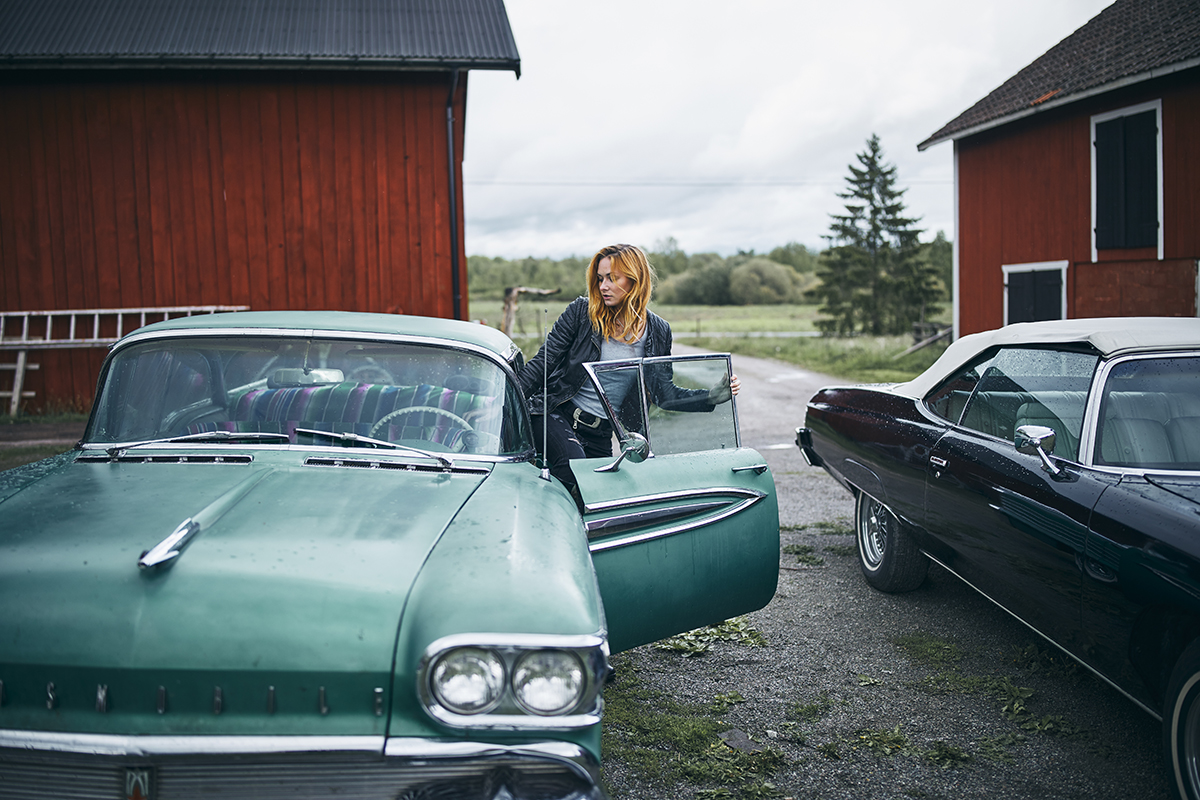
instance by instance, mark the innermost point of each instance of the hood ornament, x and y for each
(166, 551)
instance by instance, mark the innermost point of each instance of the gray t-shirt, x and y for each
(611, 350)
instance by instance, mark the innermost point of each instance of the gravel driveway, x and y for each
(932, 694)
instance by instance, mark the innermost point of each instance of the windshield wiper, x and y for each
(203, 436)
(354, 438)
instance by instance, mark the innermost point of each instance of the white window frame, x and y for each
(1037, 266)
(1128, 111)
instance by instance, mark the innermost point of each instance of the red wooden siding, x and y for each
(1135, 288)
(275, 191)
(1024, 195)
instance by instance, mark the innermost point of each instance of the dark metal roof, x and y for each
(1128, 42)
(363, 34)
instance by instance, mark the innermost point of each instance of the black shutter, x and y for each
(1047, 303)
(1034, 296)
(1127, 181)
(1110, 184)
(1141, 180)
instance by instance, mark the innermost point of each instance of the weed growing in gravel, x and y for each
(946, 755)
(836, 527)
(885, 742)
(700, 641)
(925, 648)
(811, 711)
(805, 554)
(1051, 663)
(830, 751)
(842, 550)
(997, 748)
(723, 702)
(666, 741)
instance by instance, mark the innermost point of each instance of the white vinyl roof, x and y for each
(1110, 335)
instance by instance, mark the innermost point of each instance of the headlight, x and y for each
(548, 681)
(469, 680)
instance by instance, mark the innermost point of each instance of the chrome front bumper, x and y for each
(70, 766)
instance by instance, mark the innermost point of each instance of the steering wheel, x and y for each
(415, 409)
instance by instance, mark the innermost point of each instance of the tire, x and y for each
(887, 553)
(1181, 725)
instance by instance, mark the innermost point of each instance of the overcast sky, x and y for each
(727, 125)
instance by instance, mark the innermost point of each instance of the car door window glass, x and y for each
(949, 399)
(1029, 386)
(1150, 415)
(670, 401)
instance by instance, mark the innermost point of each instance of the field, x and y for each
(784, 332)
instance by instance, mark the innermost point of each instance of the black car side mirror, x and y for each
(1037, 440)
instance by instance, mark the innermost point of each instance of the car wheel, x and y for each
(1181, 724)
(890, 558)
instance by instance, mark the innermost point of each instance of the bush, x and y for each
(762, 282)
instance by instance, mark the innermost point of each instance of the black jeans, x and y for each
(567, 441)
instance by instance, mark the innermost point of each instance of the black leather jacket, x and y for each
(572, 342)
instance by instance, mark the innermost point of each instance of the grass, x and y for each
(16, 456)
(19, 454)
(665, 741)
(860, 359)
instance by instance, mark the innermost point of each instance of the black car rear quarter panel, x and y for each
(875, 441)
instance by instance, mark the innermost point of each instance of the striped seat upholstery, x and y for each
(356, 408)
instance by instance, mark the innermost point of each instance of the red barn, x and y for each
(1077, 182)
(274, 154)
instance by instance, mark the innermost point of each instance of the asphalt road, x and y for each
(838, 648)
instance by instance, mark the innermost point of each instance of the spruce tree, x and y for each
(873, 278)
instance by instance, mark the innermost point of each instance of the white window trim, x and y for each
(1037, 266)
(1155, 106)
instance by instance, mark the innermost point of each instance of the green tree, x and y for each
(873, 278)
(796, 256)
(940, 254)
(667, 258)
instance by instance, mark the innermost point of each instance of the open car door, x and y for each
(683, 525)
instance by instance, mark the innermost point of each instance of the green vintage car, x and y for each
(313, 554)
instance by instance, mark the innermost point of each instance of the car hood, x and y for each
(289, 597)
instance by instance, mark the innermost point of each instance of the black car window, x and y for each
(949, 399)
(1150, 415)
(1032, 386)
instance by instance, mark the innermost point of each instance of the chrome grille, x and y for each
(25, 775)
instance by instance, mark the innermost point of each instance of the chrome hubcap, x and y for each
(872, 532)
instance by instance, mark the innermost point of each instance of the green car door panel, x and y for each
(680, 542)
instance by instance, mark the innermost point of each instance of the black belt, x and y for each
(581, 417)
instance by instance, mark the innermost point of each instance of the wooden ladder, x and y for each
(22, 331)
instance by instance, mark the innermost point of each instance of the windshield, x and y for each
(428, 397)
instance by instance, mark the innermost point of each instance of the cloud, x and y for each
(728, 127)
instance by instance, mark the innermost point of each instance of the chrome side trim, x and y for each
(640, 519)
(1082, 663)
(109, 745)
(660, 497)
(738, 500)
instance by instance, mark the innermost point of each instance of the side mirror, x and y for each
(1037, 440)
(635, 448)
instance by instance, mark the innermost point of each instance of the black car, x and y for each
(1054, 467)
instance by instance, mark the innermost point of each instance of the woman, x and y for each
(612, 322)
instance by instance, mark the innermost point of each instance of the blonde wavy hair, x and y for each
(630, 316)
